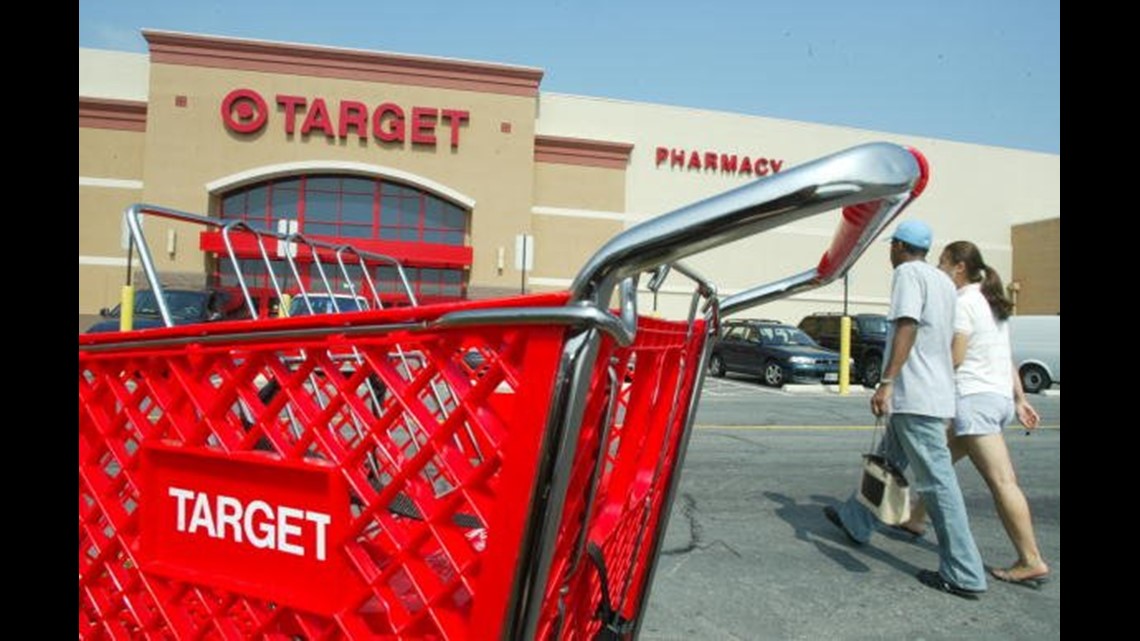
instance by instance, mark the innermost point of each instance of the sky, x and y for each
(975, 71)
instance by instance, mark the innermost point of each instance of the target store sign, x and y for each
(245, 111)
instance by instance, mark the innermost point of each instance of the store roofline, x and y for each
(171, 47)
(108, 113)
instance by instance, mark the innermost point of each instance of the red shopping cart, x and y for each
(488, 469)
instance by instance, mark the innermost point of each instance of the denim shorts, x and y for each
(982, 413)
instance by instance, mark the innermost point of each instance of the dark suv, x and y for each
(868, 340)
(776, 352)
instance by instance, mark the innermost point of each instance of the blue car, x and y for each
(776, 352)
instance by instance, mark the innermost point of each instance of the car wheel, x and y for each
(774, 374)
(871, 370)
(716, 366)
(1034, 379)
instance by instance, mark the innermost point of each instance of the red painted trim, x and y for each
(580, 151)
(105, 113)
(408, 253)
(350, 64)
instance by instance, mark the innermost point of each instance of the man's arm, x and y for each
(906, 330)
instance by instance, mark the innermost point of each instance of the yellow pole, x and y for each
(283, 306)
(127, 308)
(844, 355)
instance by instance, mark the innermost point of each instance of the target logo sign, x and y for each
(244, 111)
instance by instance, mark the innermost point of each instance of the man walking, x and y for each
(916, 392)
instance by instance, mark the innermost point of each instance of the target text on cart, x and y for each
(243, 521)
(257, 522)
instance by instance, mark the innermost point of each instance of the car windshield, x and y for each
(324, 305)
(183, 306)
(186, 306)
(146, 303)
(873, 324)
(785, 336)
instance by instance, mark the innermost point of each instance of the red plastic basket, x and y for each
(360, 475)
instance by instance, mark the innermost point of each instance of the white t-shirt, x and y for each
(987, 367)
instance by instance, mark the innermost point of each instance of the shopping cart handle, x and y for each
(881, 176)
(859, 225)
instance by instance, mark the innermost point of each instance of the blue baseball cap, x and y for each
(914, 233)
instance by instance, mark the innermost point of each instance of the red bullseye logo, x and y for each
(244, 111)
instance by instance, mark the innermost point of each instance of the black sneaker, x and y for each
(932, 579)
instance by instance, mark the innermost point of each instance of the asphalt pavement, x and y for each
(748, 553)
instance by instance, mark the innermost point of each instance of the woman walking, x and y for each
(989, 395)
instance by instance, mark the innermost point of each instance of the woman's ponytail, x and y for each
(967, 253)
(994, 292)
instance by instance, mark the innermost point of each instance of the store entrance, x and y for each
(427, 234)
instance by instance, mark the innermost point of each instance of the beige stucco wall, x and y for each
(110, 173)
(102, 260)
(111, 154)
(975, 192)
(577, 209)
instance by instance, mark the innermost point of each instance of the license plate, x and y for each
(831, 377)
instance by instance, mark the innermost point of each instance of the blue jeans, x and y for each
(920, 442)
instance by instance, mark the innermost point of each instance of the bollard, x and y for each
(127, 308)
(844, 355)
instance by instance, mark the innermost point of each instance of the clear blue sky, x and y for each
(977, 71)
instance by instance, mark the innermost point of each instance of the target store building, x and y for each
(458, 168)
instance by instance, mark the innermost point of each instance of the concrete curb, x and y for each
(820, 388)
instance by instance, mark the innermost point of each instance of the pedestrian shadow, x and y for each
(811, 526)
(803, 518)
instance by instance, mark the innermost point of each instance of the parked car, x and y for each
(1035, 343)
(868, 341)
(186, 306)
(327, 304)
(776, 352)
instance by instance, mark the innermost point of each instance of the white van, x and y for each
(1036, 346)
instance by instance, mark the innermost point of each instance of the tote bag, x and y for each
(882, 487)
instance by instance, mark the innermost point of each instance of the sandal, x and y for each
(1034, 581)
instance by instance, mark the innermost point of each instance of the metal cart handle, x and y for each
(872, 182)
(133, 217)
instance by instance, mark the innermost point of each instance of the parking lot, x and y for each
(749, 555)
